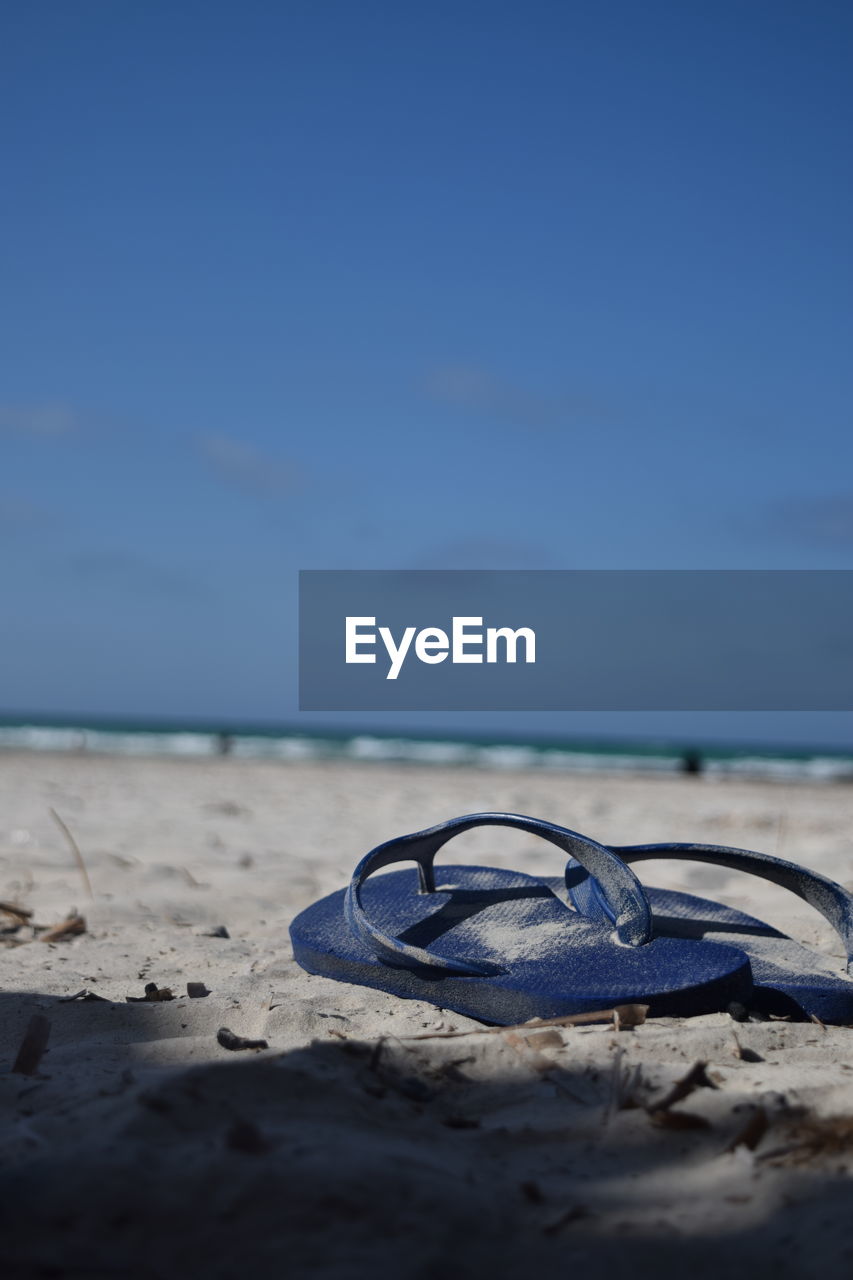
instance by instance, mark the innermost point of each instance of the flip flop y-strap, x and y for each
(627, 905)
(833, 902)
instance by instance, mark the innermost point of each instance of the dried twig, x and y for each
(623, 1015)
(66, 929)
(816, 1136)
(696, 1078)
(229, 1040)
(78, 857)
(744, 1053)
(678, 1120)
(19, 914)
(33, 1045)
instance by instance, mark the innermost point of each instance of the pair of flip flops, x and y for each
(504, 947)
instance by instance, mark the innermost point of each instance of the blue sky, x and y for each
(364, 285)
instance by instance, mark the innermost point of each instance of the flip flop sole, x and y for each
(554, 961)
(789, 978)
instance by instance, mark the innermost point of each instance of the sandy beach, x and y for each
(139, 1145)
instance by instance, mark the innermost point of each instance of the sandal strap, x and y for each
(833, 902)
(627, 904)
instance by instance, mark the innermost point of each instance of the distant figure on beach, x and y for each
(691, 762)
(224, 743)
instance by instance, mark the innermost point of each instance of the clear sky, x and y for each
(371, 283)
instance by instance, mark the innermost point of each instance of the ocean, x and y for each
(287, 743)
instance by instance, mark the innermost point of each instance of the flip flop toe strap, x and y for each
(833, 902)
(627, 905)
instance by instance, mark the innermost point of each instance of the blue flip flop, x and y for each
(789, 978)
(503, 947)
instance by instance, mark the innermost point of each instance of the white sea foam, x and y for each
(289, 746)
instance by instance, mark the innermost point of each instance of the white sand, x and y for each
(143, 1148)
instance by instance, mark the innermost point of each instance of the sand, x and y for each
(141, 1147)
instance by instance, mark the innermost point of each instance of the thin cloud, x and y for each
(52, 419)
(125, 570)
(826, 520)
(477, 390)
(247, 469)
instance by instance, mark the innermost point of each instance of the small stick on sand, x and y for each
(696, 1078)
(624, 1015)
(19, 914)
(66, 929)
(33, 1045)
(78, 857)
(229, 1040)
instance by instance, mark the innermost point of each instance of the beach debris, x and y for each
(124, 863)
(744, 1053)
(696, 1078)
(813, 1137)
(245, 1136)
(153, 995)
(16, 925)
(535, 1060)
(78, 857)
(625, 1085)
(661, 1114)
(750, 1134)
(218, 931)
(68, 928)
(623, 1016)
(84, 994)
(550, 1038)
(32, 1046)
(678, 1120)
(20, 915)
(197, 990)
(229, 1040)
(191, 880)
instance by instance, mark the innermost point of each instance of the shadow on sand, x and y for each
(425, 1159)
